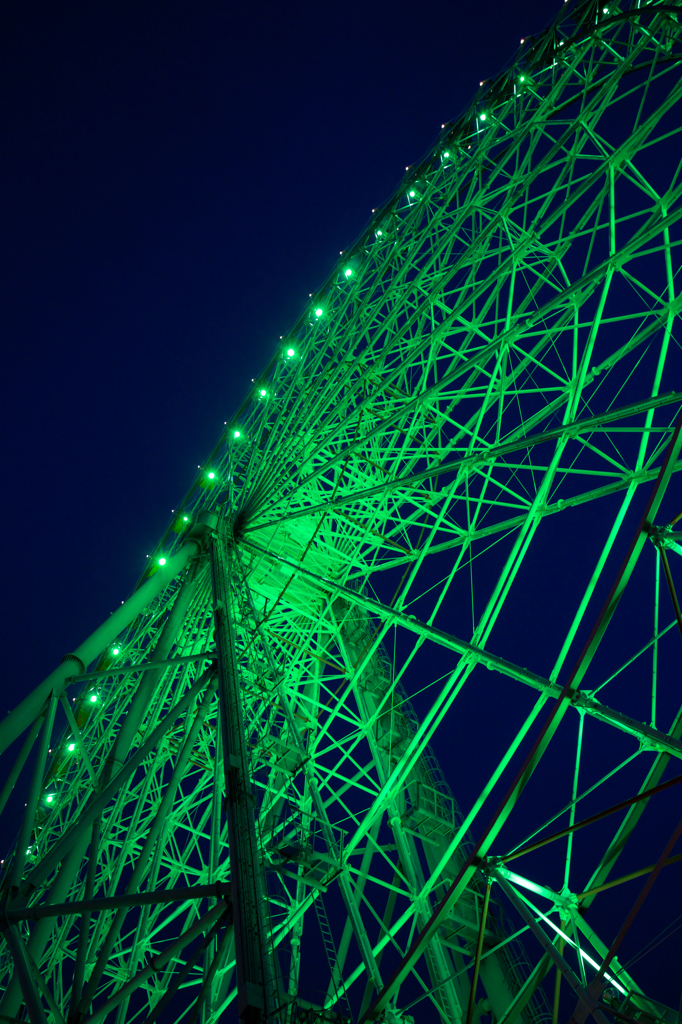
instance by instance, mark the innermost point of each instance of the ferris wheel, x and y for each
(394, 709)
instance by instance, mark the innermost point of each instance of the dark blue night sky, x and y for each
(176, 179)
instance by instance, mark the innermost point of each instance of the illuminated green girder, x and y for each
(494, 361)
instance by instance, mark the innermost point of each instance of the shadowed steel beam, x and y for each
(626, 878)
(45, 989)
(34, 1006)
(185, 969)
(479, 950)
(135, 899)
(593, 817)
(157, 962)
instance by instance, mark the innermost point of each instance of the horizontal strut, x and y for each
(220, 890)
(142, 667)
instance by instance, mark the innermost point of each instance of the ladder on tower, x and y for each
(332, 958)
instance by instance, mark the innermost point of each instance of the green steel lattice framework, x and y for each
(492, 364)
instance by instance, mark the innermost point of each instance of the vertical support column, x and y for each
(82, 948)
(479, 950)
(20, 762)
(34, 1006)
(654, 661)
(28, 823)
(255, 994)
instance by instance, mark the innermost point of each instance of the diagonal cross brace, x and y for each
(584, 995)
(541, 743)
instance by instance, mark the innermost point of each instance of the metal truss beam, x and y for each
(648, 736)
(454, 432)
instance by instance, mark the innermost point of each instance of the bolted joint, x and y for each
(567, 903)
(202, 528)
(665, 537)
(74, 658)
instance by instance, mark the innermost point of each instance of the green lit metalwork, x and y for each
(488, 371)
